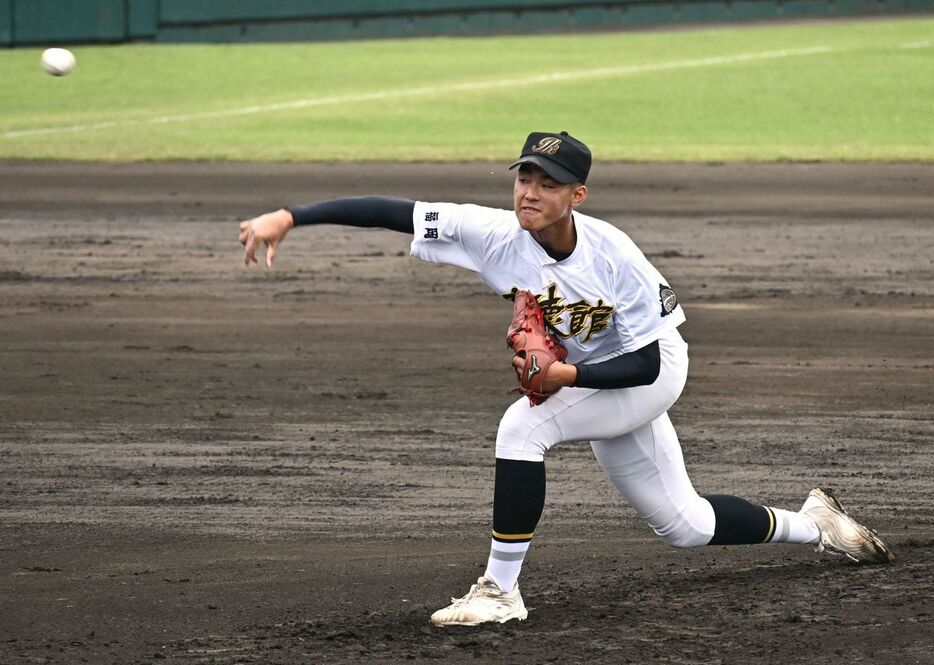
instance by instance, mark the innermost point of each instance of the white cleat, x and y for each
(484, 603)
(841, 534)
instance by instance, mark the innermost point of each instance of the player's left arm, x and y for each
(638, 368)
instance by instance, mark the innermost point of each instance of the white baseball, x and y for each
(57, 61)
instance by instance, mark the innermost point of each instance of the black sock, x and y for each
(518, 499)
(739, 522)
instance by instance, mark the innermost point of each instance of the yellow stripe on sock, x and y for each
(512, 536)
(771, 532)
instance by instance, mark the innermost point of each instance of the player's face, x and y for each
(540, 201)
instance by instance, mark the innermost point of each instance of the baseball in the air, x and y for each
(57, 61)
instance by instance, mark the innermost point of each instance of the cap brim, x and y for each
(556, 171)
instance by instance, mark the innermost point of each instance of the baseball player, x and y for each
(626, 364)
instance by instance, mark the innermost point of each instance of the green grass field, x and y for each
(861, 90)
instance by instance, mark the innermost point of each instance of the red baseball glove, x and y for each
(531, 340)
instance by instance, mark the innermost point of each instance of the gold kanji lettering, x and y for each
(579, 318)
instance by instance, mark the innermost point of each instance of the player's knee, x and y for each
(685, 537)
(691, 527)
(519, 444)
(521, 436)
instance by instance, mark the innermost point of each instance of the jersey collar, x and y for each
(576, 259)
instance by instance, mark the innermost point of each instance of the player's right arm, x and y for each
(364, 211)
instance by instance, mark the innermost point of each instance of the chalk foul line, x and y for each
(601, 72)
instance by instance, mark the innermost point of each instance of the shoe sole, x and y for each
(521, 616)
(882, 552)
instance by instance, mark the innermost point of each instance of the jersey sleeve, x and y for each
(453, 234)
(649, 305)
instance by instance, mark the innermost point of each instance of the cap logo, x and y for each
(547, 146)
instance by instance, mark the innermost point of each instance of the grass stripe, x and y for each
(834, 90)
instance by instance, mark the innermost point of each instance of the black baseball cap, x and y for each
(560, 155)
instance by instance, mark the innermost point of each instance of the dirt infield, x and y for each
(207, 464)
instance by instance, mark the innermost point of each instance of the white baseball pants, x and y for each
(632, 438)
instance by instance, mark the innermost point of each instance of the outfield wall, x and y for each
(43, 22)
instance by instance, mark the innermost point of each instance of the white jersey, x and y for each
(603, 300)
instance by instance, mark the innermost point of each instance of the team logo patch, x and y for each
(547, 146)
(667, 298)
